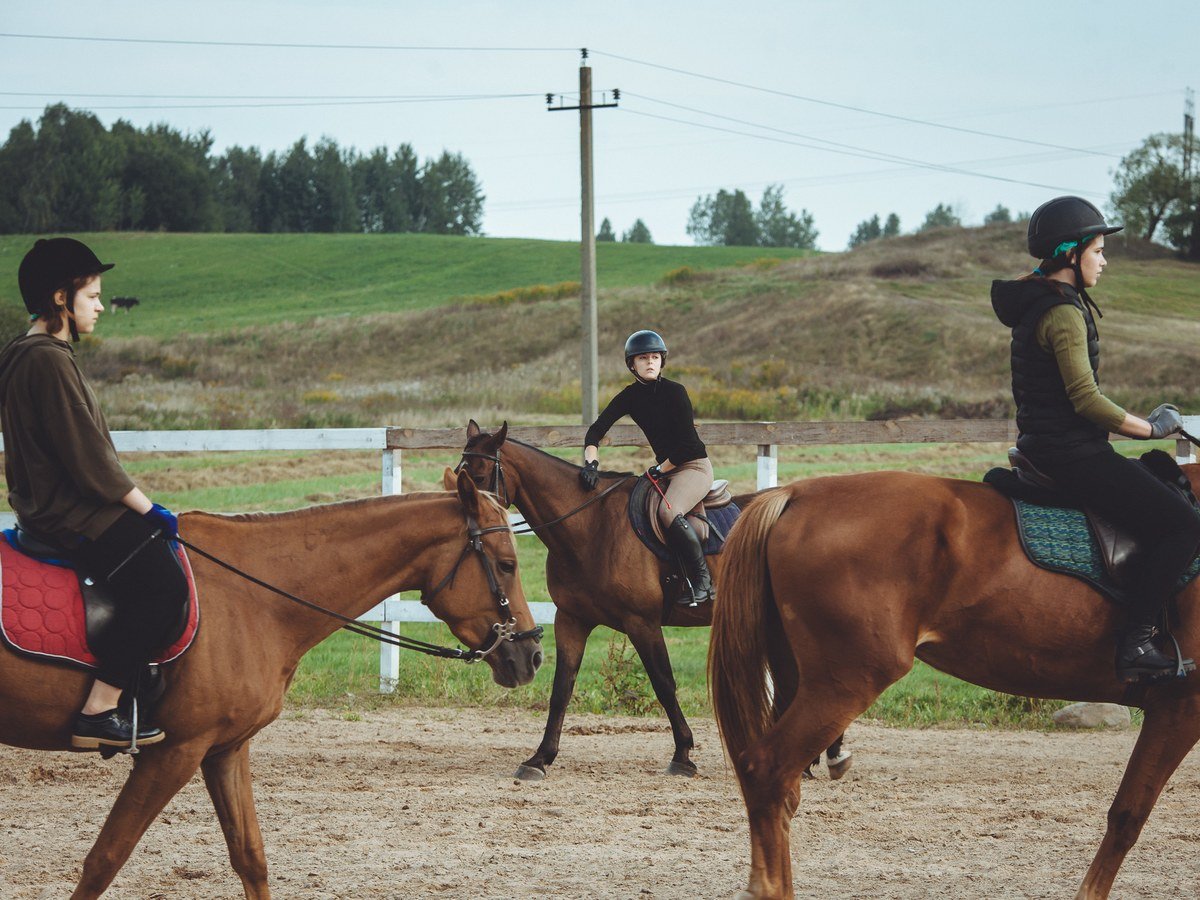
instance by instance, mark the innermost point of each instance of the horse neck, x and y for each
(345, 557)
(549, 490)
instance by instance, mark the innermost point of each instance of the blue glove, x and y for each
(655, 473)
(162, 518)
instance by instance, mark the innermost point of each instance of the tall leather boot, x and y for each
(1138, 658)
(685, 543)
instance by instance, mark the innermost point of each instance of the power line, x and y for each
(296, 104)
(865, 154)
(255, 96)
(846, 106)
(282, 45)
(807, 137)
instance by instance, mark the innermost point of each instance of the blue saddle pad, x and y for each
(719, 520)
(1058, 538)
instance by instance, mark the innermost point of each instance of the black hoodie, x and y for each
(64, 478)
(1051, 431)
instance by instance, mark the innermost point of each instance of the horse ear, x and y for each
(500, 435)
(468, 493)
(449, 480)
(473, 429)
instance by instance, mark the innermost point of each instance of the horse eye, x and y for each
(507, 566)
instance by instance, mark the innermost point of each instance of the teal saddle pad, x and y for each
(1058, 538)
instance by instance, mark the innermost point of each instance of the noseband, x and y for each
(506, 629)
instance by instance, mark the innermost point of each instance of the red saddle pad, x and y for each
(41, 609)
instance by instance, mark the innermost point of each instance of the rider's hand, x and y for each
(589, 475)
(654, 473)
(1164, 421)
(163, 519)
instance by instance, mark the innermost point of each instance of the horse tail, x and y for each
(747, 665)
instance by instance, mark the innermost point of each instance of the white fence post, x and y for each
(768, 466)
(389, 654)
(1184, 451)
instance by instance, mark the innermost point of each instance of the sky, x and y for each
(855, 108)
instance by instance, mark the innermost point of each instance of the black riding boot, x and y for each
(684, 541)
(1138, 658)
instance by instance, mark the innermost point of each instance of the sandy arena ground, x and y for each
(422, 803)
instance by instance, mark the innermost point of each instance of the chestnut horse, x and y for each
(832, 586)
(598, 573)
(231, 683)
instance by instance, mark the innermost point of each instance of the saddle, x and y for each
(51, 610)
(713, 517)
(1025, 484)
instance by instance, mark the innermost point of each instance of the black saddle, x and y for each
(1118, 548)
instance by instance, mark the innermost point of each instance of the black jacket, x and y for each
(663, 410)
(1050, 429)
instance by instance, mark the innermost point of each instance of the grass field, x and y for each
(193, 283)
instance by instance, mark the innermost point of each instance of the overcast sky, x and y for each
(816, 96)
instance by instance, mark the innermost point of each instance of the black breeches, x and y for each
(1129, 496)
(149, 592)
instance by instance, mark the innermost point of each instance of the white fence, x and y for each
(391, 442)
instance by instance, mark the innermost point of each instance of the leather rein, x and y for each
(501, 491)
(504, 630)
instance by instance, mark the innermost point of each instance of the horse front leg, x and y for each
(1168, 735)
(570, 641)
(158, 774)
(647, 639)
(227, 777)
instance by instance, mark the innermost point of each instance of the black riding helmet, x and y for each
(50, 266)
(644, 342)
(1059, 226)
(1064, 220)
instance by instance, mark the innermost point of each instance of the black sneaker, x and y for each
(110, 729)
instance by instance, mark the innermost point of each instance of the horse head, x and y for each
(481, 460)
(481, 599)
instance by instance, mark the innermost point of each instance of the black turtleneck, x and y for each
(663, 410)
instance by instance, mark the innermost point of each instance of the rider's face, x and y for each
(1092, 261)
(647, 365)
(87, 307)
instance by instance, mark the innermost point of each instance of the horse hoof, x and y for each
(839, 765)
(529, 773)
(686, 769)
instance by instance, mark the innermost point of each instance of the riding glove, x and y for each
(589, 475)
(1164, 421)
(654, 473)
(162, 518)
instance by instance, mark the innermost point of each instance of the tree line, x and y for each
(69, 173)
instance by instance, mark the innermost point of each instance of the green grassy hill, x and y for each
(331, 330)
(210, 282)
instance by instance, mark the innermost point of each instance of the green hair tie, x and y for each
(1068, 246)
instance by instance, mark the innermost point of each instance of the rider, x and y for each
(663, 410)
(1064, 420)
(69, 490)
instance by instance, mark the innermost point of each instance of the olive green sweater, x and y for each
(1062, 331)
(64, 478)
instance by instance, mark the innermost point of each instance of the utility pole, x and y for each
(589, 367)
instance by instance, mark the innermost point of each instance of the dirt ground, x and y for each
(422, 803)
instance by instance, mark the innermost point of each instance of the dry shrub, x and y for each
(902, 267)
(530, 294)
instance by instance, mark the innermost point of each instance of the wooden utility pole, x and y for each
(589, 368)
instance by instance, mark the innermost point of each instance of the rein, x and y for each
(498, 484)
(502, 631)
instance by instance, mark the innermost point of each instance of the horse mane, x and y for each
(288, 514)
(562, 462)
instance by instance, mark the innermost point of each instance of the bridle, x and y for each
(504, 630)
(498, 485)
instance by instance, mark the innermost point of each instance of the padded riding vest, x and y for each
(1050, 429)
